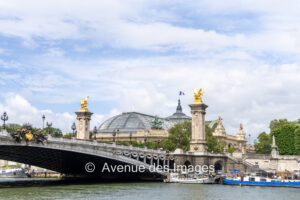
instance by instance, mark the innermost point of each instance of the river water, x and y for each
(19, 189)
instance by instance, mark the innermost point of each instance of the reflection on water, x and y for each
(53, 189)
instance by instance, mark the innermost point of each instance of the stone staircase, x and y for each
(240, 160)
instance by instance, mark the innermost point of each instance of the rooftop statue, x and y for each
(157, 123)
(197, 95)
(84, 103)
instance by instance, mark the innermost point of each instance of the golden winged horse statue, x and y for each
(84, 103)
(197, 95)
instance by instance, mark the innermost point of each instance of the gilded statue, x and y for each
(197, 95)
(84, 103)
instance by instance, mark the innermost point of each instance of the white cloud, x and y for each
(235, 67)
(240, 91)
(20, 111)
(136, 25)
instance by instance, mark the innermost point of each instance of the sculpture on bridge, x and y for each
(197, 95)
(28, 134)
(84, 103)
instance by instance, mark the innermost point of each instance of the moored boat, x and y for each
(175, 178)
(261, 181)
(14, 173)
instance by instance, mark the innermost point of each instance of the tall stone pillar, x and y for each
(274, 152)
(83, 125)
(198, 142)
(83, 121)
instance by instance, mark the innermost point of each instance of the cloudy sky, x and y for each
(136, 55)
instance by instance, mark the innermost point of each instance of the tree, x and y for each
(213, 144)
(167, 144)
(297, 140)
(180, 135)
(12, 127)
(277, 124)
(285, 138)
(55, 132)
(263, 146)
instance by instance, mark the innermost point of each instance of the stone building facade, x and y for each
(135, 126)
(238, 142)
(140, 127)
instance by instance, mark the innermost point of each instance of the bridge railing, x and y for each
(104, 145)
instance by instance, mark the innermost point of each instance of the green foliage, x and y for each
(152, 145)
(54, 132)
(230, 150)
(213, 144)
(180, 135)
(297, 140)
(11, 127)
(68, 135)
(263, 146)
(277, 124)
(285, 138)
(167, 145)
(137, 144)
(125, 143)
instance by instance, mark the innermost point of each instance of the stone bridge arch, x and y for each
(219, 165)
(70, 157)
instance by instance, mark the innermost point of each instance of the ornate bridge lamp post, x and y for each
(95, 132)
(43, 118)
(49, 126)
(4, 118)
(73, 127)
(145, 138)
(130, 137)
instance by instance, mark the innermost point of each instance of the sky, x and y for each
(136, 55)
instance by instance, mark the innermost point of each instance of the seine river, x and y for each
(19, 190)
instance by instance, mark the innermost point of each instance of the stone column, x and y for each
(83, 124)
(274, 152)
(198, 142)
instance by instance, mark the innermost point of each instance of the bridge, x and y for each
(79, 158)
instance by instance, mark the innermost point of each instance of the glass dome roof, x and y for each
(131, 121)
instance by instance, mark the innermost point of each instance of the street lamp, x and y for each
(4, 118)
(95, 132)
(114, 134)
(43, 118)
(145, 138)
(49, 126)
(73, 127)
(130, 136)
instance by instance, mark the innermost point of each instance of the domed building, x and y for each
(179, 116)
(135, 126)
